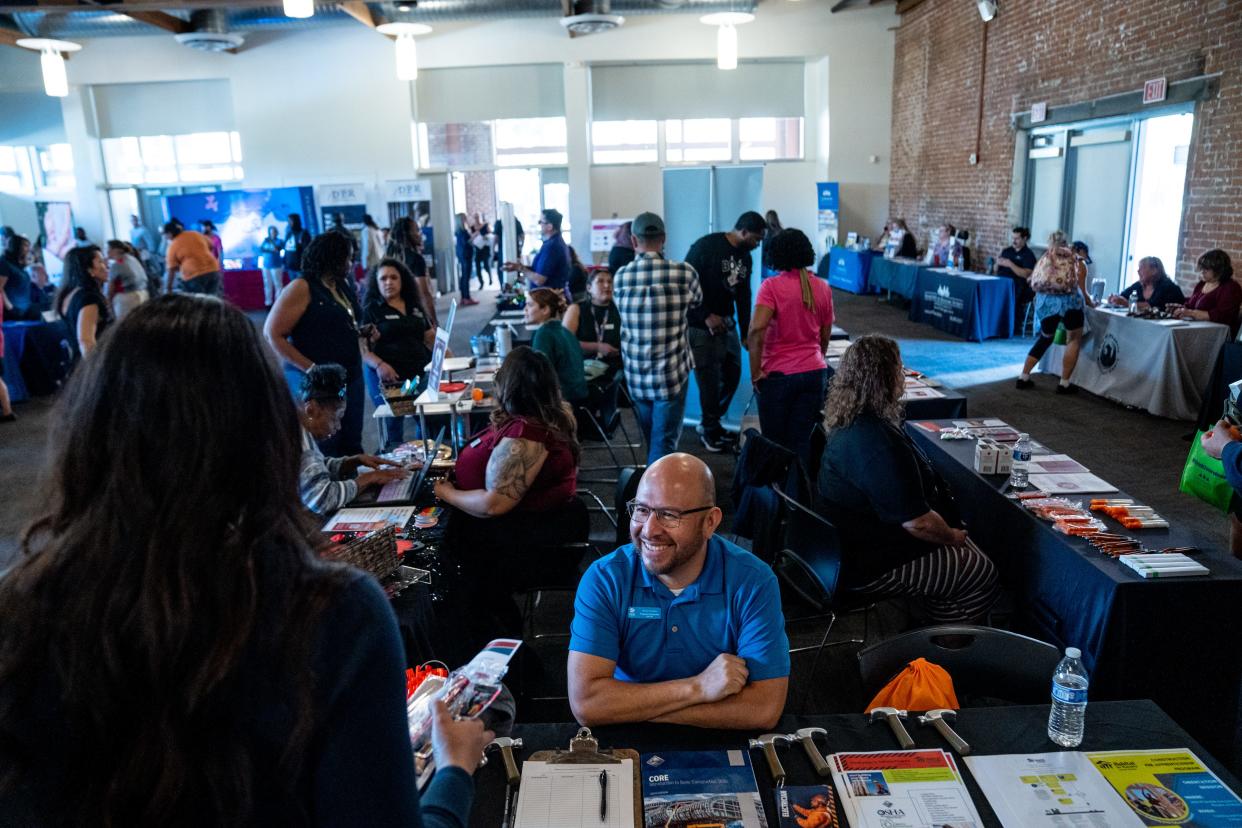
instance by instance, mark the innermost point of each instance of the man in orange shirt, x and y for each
(192, 267)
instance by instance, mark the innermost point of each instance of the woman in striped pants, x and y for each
(900, 529)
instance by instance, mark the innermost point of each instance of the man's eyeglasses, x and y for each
(668, 518)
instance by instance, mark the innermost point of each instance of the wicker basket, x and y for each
(376, 553)
(402, 405)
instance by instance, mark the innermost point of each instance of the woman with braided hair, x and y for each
(316, 321)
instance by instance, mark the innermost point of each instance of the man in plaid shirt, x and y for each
(653, 295)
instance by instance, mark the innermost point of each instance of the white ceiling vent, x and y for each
(591, 17)
(211, 41)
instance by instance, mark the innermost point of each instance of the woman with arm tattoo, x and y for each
(514, 495)
(527, 458)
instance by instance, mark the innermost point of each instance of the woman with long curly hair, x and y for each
(172, 651)
(899, 525)
(316, 320)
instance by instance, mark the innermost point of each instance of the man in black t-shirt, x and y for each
(1017, 261)
(723, 262)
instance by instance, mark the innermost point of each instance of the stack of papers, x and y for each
(1055, 464)
(1082, 483)
(1164, 565)
(367, 520)
(569, 795)
(911, 789)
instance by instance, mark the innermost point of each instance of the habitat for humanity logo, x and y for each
(1108, 353)
(943, 292)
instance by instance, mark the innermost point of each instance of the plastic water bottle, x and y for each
(1069, 700)
(1021, 457)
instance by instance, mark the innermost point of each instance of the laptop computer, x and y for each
(409, 489)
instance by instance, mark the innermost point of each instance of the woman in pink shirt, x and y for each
(789, 334)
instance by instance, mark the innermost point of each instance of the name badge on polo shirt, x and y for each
(644, 613)
(392, 316)
(609, 326)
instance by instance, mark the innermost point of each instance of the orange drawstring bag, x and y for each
(920, 686)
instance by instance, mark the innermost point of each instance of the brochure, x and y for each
(1049, 789)
(902, 789)
(701, 787)
(1169, 787)
(920, 392)
(806, 806)
(367, 520)
(1056, 464)
(1070, 483)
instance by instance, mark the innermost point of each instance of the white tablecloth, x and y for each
(1160, 368)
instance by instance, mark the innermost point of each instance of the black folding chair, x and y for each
(984, 662)
(808, 566)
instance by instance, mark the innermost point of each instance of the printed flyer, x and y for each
(903, 789)
(1049, 789)
(1169, 787)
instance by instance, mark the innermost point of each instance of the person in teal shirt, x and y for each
(545, 307)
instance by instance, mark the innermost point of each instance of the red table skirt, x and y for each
(244, 288)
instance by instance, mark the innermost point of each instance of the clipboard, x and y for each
(584, 750)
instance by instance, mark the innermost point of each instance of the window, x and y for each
(508, 142)
(524, 141)
(700, 139)
(455, 145)
(769, 139)
(170, 159)
(15, 174)
(56, 167)
(624, 142)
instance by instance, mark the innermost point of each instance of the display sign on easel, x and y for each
(437, 356)
(828, 198)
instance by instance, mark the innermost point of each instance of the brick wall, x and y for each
(1061, 52)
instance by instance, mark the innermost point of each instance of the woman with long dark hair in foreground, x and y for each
(172, 652)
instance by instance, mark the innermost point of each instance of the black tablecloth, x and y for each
(952, 406)
(1133, 725)
(1175, 640)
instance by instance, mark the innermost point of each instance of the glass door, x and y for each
(1159, 184)
(1099, 199)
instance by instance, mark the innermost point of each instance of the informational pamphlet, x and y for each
(1070, 483)
(806, 806)
(369, 520)
(920, 392)
(1049, 789)
(902, 789)
(1169, 787)
(1056, 464)
(701, 787)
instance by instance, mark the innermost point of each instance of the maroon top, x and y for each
(1221, 304)
(556, 482)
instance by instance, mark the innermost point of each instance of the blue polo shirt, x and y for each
(552, 262)
(625, 614)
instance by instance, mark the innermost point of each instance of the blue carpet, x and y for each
(960, 364)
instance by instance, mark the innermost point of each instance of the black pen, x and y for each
(603, 796)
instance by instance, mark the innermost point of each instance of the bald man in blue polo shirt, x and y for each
(678, 626)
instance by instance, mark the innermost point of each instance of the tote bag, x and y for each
(1204, 477)
(921, 686)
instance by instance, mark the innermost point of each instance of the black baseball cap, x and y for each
(1081, 247)
(647, 225)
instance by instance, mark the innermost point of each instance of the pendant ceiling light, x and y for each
(407, 50)
(299, 8)
(55, 80)
(726, 35)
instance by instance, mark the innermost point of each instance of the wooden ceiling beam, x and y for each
(904, 6)
(361, 12)
(9, 37)
(160, 20)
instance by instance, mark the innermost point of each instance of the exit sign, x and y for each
(1155, 90)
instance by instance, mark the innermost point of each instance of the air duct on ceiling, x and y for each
(211, 32)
